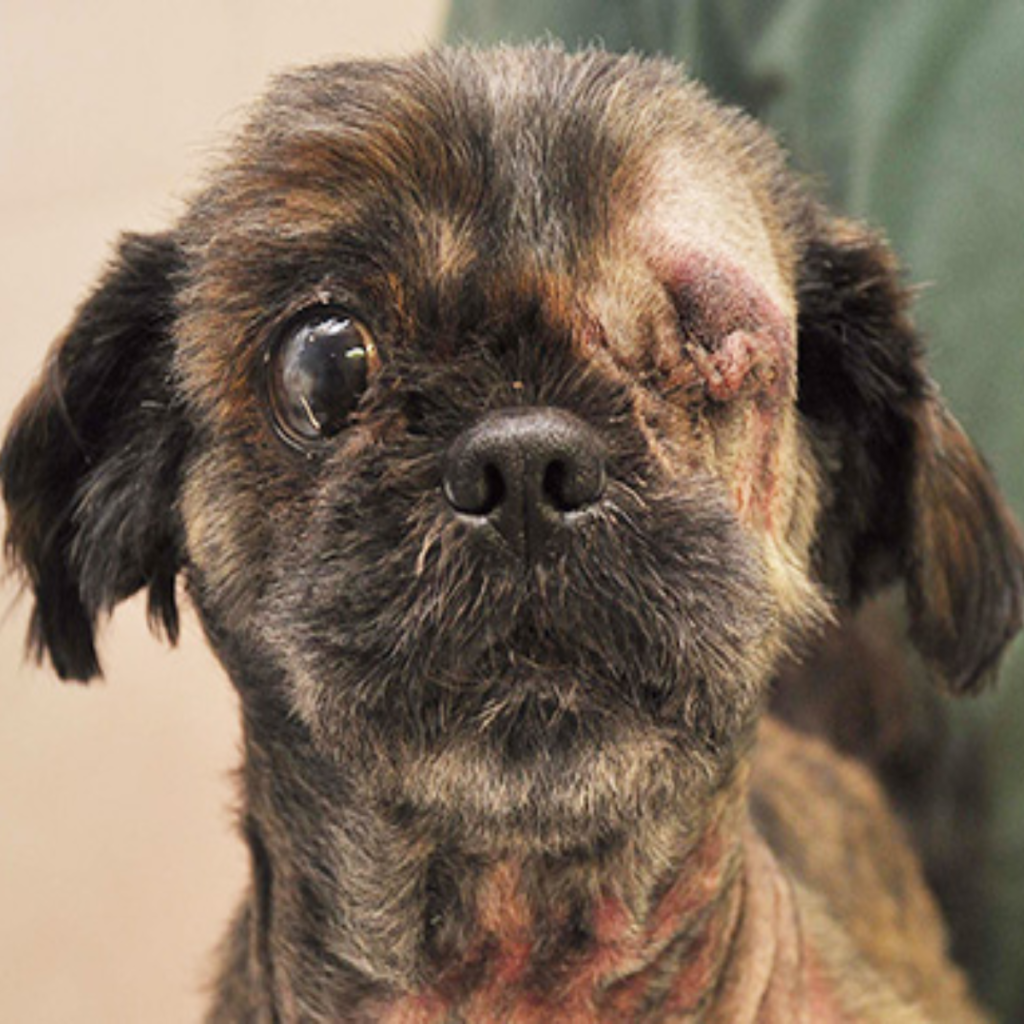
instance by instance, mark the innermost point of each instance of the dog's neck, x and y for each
(567, 940)
(357, 914)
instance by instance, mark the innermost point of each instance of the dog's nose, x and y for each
(528, 472)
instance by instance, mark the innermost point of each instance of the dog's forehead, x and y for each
(550, 147)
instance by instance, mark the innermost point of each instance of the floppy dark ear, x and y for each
(90, 465)
(907, 496)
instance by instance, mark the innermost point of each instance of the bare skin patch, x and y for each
(730, 347)
(739, 337)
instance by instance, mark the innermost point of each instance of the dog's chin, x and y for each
(552, 779)
(534, 751)
(534, 733)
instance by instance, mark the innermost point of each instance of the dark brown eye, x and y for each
(319, 368)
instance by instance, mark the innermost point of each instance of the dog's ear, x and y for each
(906, 494)
(90, 465)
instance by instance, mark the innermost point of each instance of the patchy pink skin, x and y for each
(822, 999)
(723, 297)
(744, 348)
(740, 339)
(739, 365)
(745, 955)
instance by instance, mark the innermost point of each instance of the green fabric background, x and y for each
(911, 115)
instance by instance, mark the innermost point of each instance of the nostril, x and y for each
(474, 487)
(553, 484)
(570, 485)
(493, 490)
(557, 487)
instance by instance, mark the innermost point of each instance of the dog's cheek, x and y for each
(755, 456)
(238, 544)
(228, 540)
(788, 545)
(772, 481)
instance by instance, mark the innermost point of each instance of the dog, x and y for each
(509, 416)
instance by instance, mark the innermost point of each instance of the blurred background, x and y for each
(119, 866)
(118, 863)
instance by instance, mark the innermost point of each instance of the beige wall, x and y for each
(118, 866)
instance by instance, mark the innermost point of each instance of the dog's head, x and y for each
(508, 415)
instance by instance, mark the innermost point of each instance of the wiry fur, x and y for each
(478, 788)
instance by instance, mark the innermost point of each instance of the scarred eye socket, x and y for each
(319, 367)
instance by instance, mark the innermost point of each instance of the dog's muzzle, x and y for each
(531, 474)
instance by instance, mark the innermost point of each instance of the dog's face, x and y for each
(508, 415)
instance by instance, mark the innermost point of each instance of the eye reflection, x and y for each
(320, 367)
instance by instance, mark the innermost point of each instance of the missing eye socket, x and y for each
(319, 366)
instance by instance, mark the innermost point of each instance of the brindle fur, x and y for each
(477, 789)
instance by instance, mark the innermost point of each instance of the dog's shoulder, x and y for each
(827, 821)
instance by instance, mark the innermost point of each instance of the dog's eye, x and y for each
(319, 368)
